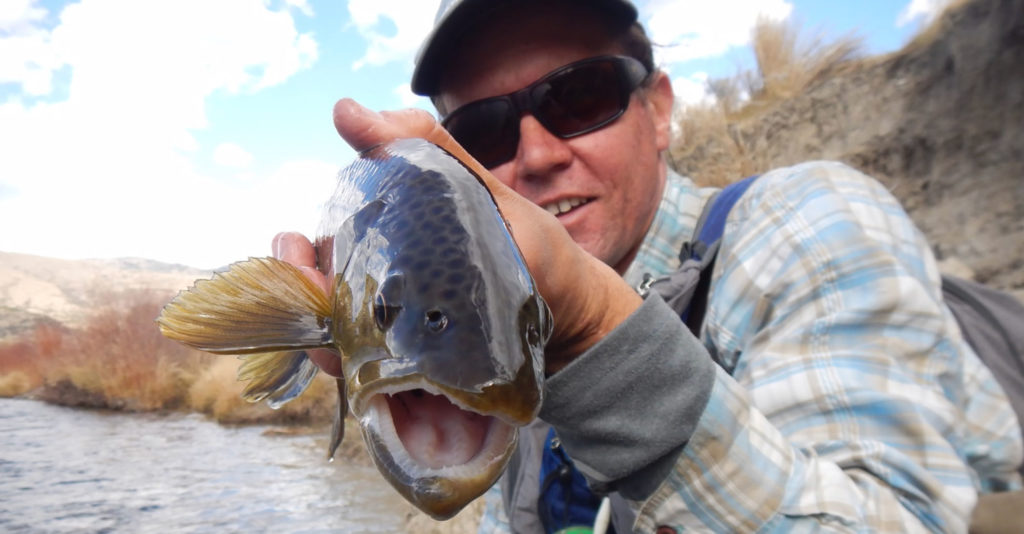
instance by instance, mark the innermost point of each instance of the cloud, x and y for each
(302, 6)
(924, 10)
(393, 29)
(687, 29)
(692, 90)
(16, 16)
(104, 167)
(231, 155)
(694, 29)
(26, 54)
(410, 99)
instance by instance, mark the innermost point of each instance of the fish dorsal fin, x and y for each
(259, 305)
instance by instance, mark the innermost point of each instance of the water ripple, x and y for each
(66, 470)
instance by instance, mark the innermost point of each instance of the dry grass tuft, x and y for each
(119, 356)
(937, 27)
(787, 64)
(15, 383)
(23, 361)
(217, 393)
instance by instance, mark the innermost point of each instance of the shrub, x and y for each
(707, 147)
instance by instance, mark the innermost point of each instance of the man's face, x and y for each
(605, 186)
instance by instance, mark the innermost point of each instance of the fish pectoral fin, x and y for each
(338, 428)
(258, 305)
(276, 377)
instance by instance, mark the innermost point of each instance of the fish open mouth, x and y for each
(438, 437)
(436, 432)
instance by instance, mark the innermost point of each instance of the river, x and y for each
(69, 470)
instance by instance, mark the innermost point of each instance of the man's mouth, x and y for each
(565, 205)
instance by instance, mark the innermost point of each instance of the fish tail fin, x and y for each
(263, 308)
(259, 305)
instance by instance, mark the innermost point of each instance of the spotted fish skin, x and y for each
(415, 233)
(438, 324)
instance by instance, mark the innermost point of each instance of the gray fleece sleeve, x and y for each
(625, 408)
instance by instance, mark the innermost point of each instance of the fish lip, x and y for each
(361, 402)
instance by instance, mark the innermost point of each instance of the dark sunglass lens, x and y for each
(487, 130)
(580, 99)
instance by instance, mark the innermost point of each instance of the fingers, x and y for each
(294, 248)
(327, 360)
(297, 250)
(363, 129)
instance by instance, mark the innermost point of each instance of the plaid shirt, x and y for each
(846, 397)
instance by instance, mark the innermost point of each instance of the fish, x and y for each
(438, 323)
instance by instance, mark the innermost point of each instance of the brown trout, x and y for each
(439, 326)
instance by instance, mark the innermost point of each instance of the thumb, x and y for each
(363, 129)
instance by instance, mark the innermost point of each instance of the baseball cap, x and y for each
(455, 17)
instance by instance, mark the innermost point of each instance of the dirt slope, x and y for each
(940, 122)
(36, 288)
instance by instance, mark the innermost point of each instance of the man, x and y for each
(830, 387)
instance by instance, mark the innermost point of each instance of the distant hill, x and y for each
(37, 288)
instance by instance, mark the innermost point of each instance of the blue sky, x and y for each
(191, 131)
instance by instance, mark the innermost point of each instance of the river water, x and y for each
(68, 470)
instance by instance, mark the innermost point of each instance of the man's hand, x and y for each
(295, 249)
(587, 298)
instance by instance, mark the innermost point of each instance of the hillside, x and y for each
(940, 122)
(35, 288)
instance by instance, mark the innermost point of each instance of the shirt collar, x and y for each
(673, 224)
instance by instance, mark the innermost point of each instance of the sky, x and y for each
(192, 131)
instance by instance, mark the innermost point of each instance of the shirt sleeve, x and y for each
(845, 397)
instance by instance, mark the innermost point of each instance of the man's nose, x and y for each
(540, 152)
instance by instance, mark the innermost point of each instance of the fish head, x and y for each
(440, 326)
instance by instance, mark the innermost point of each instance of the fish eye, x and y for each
(436, 320)
(388, 302)
(384, 314)
(532, 334)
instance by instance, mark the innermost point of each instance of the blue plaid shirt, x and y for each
(846, 397)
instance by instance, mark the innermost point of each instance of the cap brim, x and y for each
(466, 14)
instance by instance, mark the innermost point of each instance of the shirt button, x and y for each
(666, 530)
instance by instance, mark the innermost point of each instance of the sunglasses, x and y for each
(572, 100)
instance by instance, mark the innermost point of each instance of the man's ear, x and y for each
(659, 99)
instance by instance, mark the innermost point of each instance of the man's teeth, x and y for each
(564, 205)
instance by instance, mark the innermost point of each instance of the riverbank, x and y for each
(117, 362)
(116, 359)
